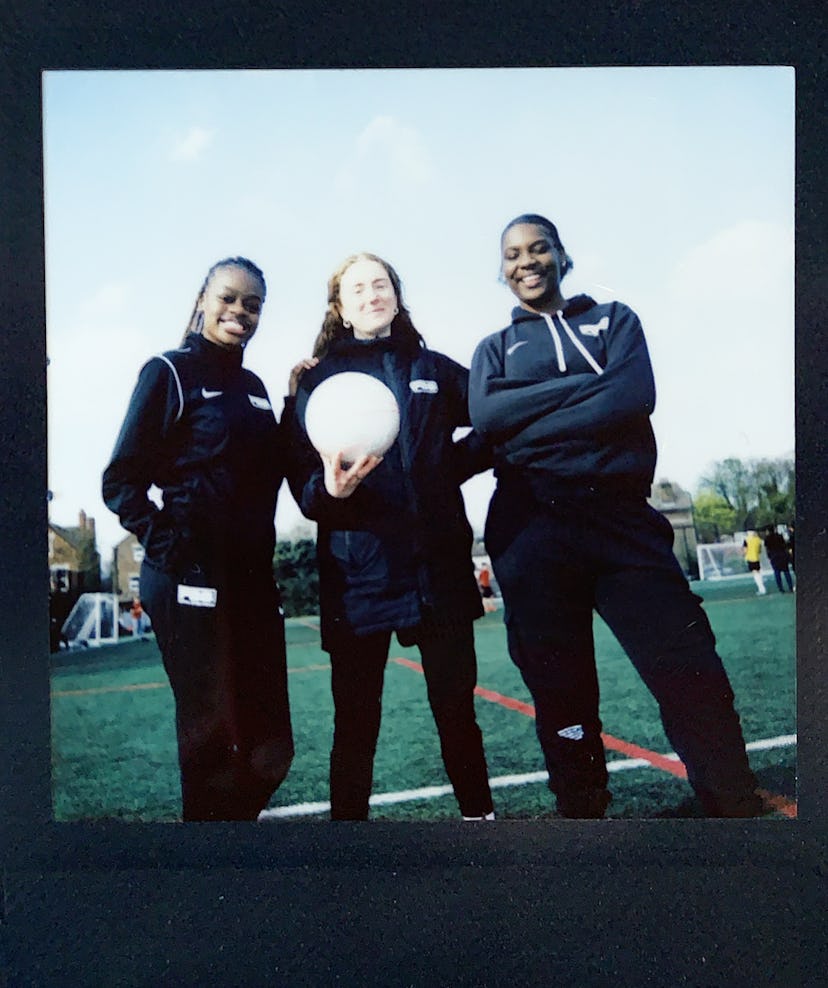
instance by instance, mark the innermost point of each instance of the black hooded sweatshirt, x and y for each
(566, 400)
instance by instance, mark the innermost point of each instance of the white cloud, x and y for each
(107, 301)
(739, 263)
(192, 144)
(386, 148)
(721, 338)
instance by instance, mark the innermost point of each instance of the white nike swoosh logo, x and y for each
(210, 394)
(258, 402)
(514, 347)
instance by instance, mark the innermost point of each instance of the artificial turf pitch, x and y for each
(113, 738)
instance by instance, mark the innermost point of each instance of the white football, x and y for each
(353, 414)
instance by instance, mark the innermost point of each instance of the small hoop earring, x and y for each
(396, 311)
(346, 324)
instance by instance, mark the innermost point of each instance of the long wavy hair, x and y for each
(402, 328)
(196, 322)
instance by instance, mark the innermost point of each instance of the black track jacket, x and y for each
(201, 428)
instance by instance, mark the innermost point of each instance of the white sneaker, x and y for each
(487, 816)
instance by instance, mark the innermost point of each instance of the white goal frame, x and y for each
(726, 561)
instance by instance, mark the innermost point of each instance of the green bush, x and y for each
(295, 566)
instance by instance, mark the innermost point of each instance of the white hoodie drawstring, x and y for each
(575, 342)
(557, 341)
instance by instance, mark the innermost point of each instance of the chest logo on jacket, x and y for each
(510, 350)
(210, 394)
(593, 329)
(421, 387)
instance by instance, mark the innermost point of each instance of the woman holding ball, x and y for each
(565, 395)
(394, 544)
(200, 427)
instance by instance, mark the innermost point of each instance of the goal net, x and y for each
(92, 621)
(723, 560)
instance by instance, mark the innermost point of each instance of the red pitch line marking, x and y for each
(780, 803)
(616, 744)
(92, 690)
(110, 689)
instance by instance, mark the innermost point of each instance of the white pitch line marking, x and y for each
(501, 782)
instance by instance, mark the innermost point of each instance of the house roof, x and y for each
(75, 536)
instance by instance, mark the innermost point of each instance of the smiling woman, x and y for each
(393, 541)
(229, 304)
(230, 307)
(200, 428)
(564, 395)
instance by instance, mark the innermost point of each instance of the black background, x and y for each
(608, 903)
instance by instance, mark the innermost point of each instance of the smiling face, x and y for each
(231, 304)
(532, 266)
(367, 299)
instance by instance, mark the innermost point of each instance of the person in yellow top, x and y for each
(753, 547)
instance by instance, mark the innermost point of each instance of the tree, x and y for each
(731, 480)
(756, 492)
(295, 566)
(713, 516)
(776, 491)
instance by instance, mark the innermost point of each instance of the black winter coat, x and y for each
(396, 553)
(201, 428)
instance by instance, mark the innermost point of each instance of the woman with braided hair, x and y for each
(200, 427)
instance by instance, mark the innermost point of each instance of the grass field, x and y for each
(113, 738)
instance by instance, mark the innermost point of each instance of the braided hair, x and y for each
(333, 328)
(537, 220)
(197, 317)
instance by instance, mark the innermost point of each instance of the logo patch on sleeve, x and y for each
(421, 387)
(257, 402)
(593, 329)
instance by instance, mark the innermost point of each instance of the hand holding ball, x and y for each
(354, 414)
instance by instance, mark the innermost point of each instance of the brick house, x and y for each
(74, 562)
(676, 505)
(74, 568)
(126, 567)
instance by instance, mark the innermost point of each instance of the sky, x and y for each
(672, 189)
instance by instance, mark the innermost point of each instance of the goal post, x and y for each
(726, 560)
(92, 621)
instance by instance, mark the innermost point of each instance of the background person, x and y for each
(777, 550)
(753, 550)
(200, 427)
(394, 543)
(484, 582)
(565, 395)
(138, 618)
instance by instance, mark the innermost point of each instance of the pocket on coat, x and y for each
(360, 555)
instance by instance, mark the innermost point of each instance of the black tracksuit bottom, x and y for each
(357, 673)
(556, 563)
(227, 669)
